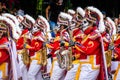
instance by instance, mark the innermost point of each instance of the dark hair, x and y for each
(103, 12)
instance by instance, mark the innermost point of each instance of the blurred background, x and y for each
(37, 7)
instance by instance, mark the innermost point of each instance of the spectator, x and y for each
(20, 12)
(119, 22)
(3, 8)
(13, 11)
(52, 12)
(118, 25)
(116, 21)
(104, 14)
(0, 7)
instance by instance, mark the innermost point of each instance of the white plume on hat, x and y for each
(47, 25)
(65, 15)
(12, 25)
(112, 25)
(71, 11)
(15, 21)
(80, 11)
(101, 26)
(29, 18)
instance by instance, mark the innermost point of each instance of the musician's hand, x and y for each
(62, 43)
(113, 59)
(27, 46)
(73, 58)
(77, 56)
(24, 45)
(111, 47)
(71, 43)
(44, 43)
(49, 55)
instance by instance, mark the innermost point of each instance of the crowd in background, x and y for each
(14, 11)
(117, 22)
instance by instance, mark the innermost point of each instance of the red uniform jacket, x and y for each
(117, 48)
(91, 45)
(36, 43)
(55, 45)
(77, 37)
(4, 54)
(20, 42)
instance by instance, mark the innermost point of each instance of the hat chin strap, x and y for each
(84, 28)
(34, 30)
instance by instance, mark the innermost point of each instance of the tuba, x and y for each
(64, 59)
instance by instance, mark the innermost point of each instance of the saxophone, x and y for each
(25, 55)
(44, 56)
(109, 53)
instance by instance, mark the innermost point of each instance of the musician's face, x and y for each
(3, 31)
(84, 24)
(59, 2)
(61, 27)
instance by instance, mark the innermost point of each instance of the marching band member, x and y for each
(25, 38)
(7, 51)
(91, 45)
(57, 45)
(116, 58)
(38, 51)
(77, 35)
(19, 31)
(15, 21)
(108, 41)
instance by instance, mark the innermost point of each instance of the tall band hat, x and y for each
(28, 21)
(15, 21)
(74, 20)
(80, 14)
(71, 11)
(112, 26)
(7, 24)
(64, 19)
(95, 16)
(42, 23)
